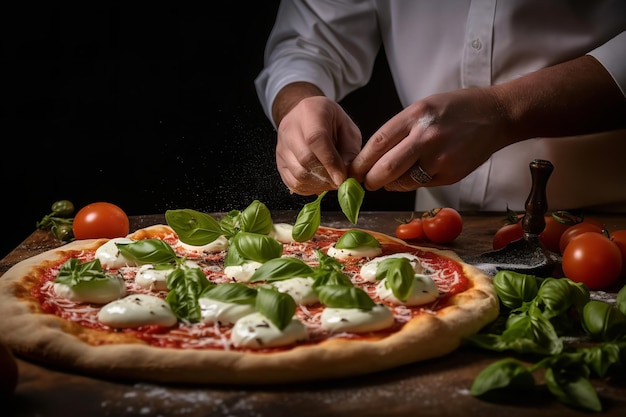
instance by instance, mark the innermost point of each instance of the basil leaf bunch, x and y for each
(73, 272)
(350, 197)
(538, 326)
(197, 228)
(186, 285)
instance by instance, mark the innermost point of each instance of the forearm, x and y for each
(289, 96)
(576, 97)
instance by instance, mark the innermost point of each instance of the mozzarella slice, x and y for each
(218, 245)
(214, 311)
(137, 310)
(255, 331)
(355, 320)
(111, 257)
(424, 291)
(99, 291)
(361, 252)
(300, 289)
(282, 232)
(368, 270)
(156, 279)
(243, 272)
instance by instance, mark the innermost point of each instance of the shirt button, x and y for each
(476, 44)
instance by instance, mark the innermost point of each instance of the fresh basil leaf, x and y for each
(233, 256)
(308, 220)
(232, 292)
(603, 322)
(73, 272)
(602, 357)
(400, 276)
(230, 223)
(256, 247)
(504, 374)
(514, 288)
(350, 196)
(277, 306)
(326, 262)
(193, 227)
(148, 251)
(356, 239)
(281, 268)
(342, 296)
(572, 388)
(620, 300)
(256, 218)
(185, 286)
(330, 277)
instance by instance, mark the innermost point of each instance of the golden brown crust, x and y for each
(48, 338)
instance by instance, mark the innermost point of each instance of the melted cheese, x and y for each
(361, 252)
(282, 232)
(218, 245)
(214, 311)
(99, 291)
(243, 272)
(300, 289)
(137, 310)
(255, 331)
(424, 291)
(111, 257)
(368, 270)
(355, 320)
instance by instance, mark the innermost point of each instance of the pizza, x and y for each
(197, 305)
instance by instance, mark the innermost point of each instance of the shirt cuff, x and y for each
(613, 56)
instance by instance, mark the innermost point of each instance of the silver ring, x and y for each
(419, 174)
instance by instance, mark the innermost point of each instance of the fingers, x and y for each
(316, 140)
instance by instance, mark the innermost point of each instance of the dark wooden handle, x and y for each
(537, 203)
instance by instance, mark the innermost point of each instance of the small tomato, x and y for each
(100, 220)
(592, 259)
(442, 225)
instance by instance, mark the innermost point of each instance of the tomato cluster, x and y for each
(439, 225)
(590, 254)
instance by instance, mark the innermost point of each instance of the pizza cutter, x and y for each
(526, 255)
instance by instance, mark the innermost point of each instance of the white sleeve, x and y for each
(330, 44)
(613, 56)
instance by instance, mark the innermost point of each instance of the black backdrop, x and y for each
(149, 108)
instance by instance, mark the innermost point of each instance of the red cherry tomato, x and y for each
(577, 229)
(551, 235)
(619, 238)
(100, 220)
(442, 225)
(411, 230)
(507, 234)
(593, 259)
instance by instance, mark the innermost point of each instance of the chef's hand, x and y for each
(437, 141)
(317, 141)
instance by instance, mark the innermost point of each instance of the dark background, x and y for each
(148, 108)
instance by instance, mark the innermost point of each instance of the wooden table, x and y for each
(437, 387)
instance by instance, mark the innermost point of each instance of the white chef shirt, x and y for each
(434, 46)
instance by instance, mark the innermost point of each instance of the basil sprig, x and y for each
(356, 239)
(185, 286)
(400, 276)
(197, 228)
(538, 326)
(350, 196)
(73, 272)
(148, 251)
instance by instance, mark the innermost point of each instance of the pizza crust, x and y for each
(51, 340)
